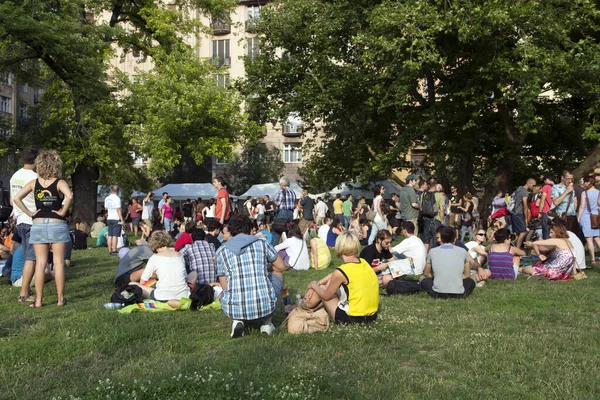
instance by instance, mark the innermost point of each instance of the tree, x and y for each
(483, 86)
(98, 120)
(257, 163)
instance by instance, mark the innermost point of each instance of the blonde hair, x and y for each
(48, 164)
(159, 239)
(347, 244)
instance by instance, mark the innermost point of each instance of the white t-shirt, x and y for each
(171, 275)
(321, 209)
(148, 208)
(17, 181)
(323, 231)
(578, 250)
(112, 202)
(296, 250)
(414, 248)
(260, 208)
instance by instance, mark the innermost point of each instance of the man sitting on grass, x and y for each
(250, 293)
(448, 271)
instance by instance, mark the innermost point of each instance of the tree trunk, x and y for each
(588, 165)
(85, 192)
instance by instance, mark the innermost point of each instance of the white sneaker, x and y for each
(268, 329)
(237, 329)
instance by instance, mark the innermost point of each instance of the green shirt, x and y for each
(347, 208)
(408, 196)
(440, 202)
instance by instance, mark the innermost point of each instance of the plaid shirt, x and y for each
(199, 257)
(249, 294)
(289, 203)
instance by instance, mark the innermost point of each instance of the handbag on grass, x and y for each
(303, 320)
(594, 218)
(578, 276)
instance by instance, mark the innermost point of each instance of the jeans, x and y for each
(378, 225)
(168, 224)
(287, 216)
(347, 221)
(427, 285)
(465, 229)
(545, 227)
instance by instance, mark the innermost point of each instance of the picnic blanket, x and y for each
(159, 306)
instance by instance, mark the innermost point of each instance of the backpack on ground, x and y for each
(129, 294)
(5, 207)
(401, 286)
(428, 206)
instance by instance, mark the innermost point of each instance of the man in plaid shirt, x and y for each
(286, 202)
(250, 293)
(200, 258)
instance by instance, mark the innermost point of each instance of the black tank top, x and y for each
(47, 199)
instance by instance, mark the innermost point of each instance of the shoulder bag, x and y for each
(578, 276)
(594, 218)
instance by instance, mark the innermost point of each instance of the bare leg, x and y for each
(313, 253)
(137, 275)
(41, 259)
(146, 290)
(386, 279)
(590, 243)
(520, 239)
(58, 251)
(28, 269)
(112, 243)
(527, 270)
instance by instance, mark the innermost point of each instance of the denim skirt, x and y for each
(55, 232)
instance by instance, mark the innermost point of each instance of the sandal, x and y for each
(65, 303)
(33, 305)
(30, 298)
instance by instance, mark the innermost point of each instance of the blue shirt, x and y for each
(559, 189)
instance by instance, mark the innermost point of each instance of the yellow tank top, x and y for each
(360, 297)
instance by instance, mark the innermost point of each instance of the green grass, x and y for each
(529, 340)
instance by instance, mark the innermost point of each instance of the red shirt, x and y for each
(184, 238)
(548, 202)
(219, 208)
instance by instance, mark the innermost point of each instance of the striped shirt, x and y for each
(500, 264)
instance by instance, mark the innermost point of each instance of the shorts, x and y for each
(24, 232)
(155, 299)
(430, 225)
(125, 278)
(394, 222)
(114, 228)
(304, 225)
(342, 318)
(518, 223)
(135, 221)
(45, 233)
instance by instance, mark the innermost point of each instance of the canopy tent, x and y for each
(357, 190)
(270, 189)
(184, 191)
(104, 190)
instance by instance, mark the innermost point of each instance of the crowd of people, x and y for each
(240, 255)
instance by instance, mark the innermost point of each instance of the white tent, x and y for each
(390, 187)
(184, 191)
(271, 189)
(354, 189)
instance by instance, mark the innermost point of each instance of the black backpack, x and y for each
(130, 294)
(5, 207)
(428, 204)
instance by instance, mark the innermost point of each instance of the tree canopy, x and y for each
(95, 116)
(493, 91)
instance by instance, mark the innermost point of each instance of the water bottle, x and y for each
(114, 306)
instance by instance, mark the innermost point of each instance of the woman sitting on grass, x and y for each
(560, 265)
(293, 250)
(356, 282)
(504, 259)
(336, 229)
(168, 267)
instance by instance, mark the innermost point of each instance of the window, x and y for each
(24, 88)
(23, 112)
(220, 52)
(253, 12)
(222, 80)
(5, 104)
(135, 79)
(5, 78)
(136, 53)
(4, 132)
(37, 95)
(252, 47)
(221, 162)
(292, 153)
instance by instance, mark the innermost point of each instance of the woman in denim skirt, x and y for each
(53, 198)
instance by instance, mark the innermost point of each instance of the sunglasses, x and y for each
(481, 234)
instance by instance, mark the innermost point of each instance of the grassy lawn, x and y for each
(522, 339)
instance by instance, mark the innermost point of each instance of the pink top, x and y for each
(168, 211)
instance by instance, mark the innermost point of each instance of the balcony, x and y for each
(221, 61)
(251, 25)
(220, 28)
(293, 126)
